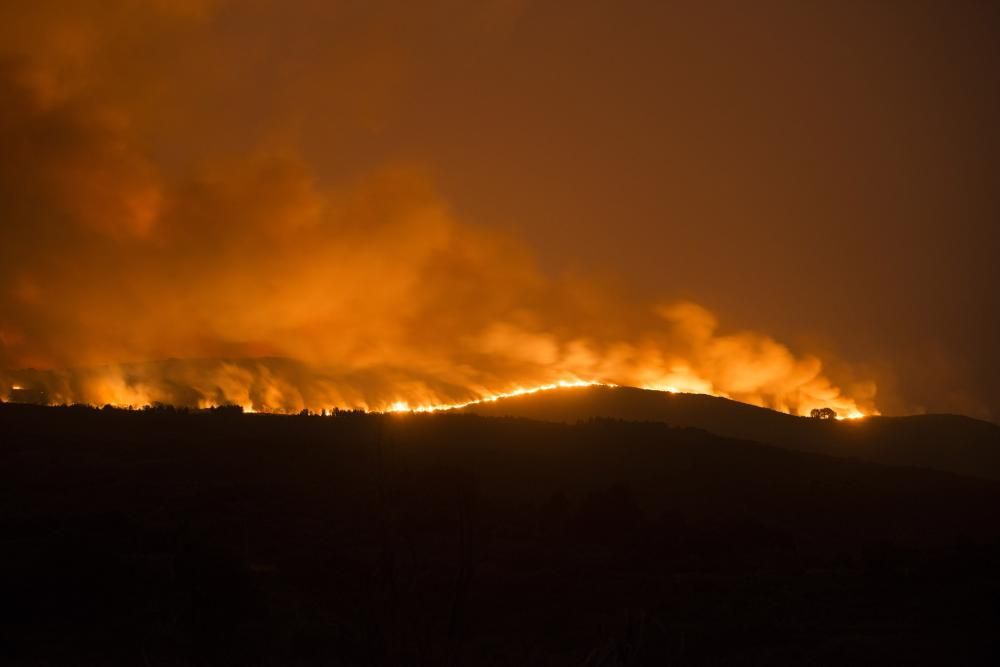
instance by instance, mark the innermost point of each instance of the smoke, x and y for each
(133, 274)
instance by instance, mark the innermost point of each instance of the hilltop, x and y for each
(943, 442)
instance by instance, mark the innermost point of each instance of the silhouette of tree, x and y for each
(823, 413)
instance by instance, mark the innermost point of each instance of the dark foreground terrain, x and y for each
(164, 538)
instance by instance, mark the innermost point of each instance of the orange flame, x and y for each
(403, 406)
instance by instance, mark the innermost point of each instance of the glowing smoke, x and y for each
(241, 278)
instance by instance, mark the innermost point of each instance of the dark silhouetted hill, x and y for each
(163, 537)
(942, 442)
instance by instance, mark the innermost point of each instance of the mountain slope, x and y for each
(944, 442)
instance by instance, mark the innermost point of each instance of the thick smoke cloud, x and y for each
(132, 271)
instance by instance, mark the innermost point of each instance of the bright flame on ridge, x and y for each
(675, 383)
(403, 406)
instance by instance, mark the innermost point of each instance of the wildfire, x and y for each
(403, 406)
(261, 280)
(118, 390)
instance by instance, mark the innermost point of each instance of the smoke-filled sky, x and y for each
(313, 203)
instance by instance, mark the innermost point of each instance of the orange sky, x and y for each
(448, 198)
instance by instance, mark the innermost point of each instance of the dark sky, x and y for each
(823, 172)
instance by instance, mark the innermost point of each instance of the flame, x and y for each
(403, 406)
(258, 387)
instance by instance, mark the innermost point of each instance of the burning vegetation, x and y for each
(264, 285)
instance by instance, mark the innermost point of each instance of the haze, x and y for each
(441, 200)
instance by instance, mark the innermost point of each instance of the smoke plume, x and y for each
(145, 263)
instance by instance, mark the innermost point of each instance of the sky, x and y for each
(790, 203)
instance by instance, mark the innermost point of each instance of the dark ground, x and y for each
(163, 538)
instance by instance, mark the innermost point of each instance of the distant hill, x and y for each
(943, 442)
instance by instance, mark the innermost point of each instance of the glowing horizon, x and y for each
(405, 407)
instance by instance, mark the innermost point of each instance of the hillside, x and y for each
(164, 538)
(944, 442)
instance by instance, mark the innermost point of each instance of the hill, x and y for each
(165, 538)
(943, 442)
